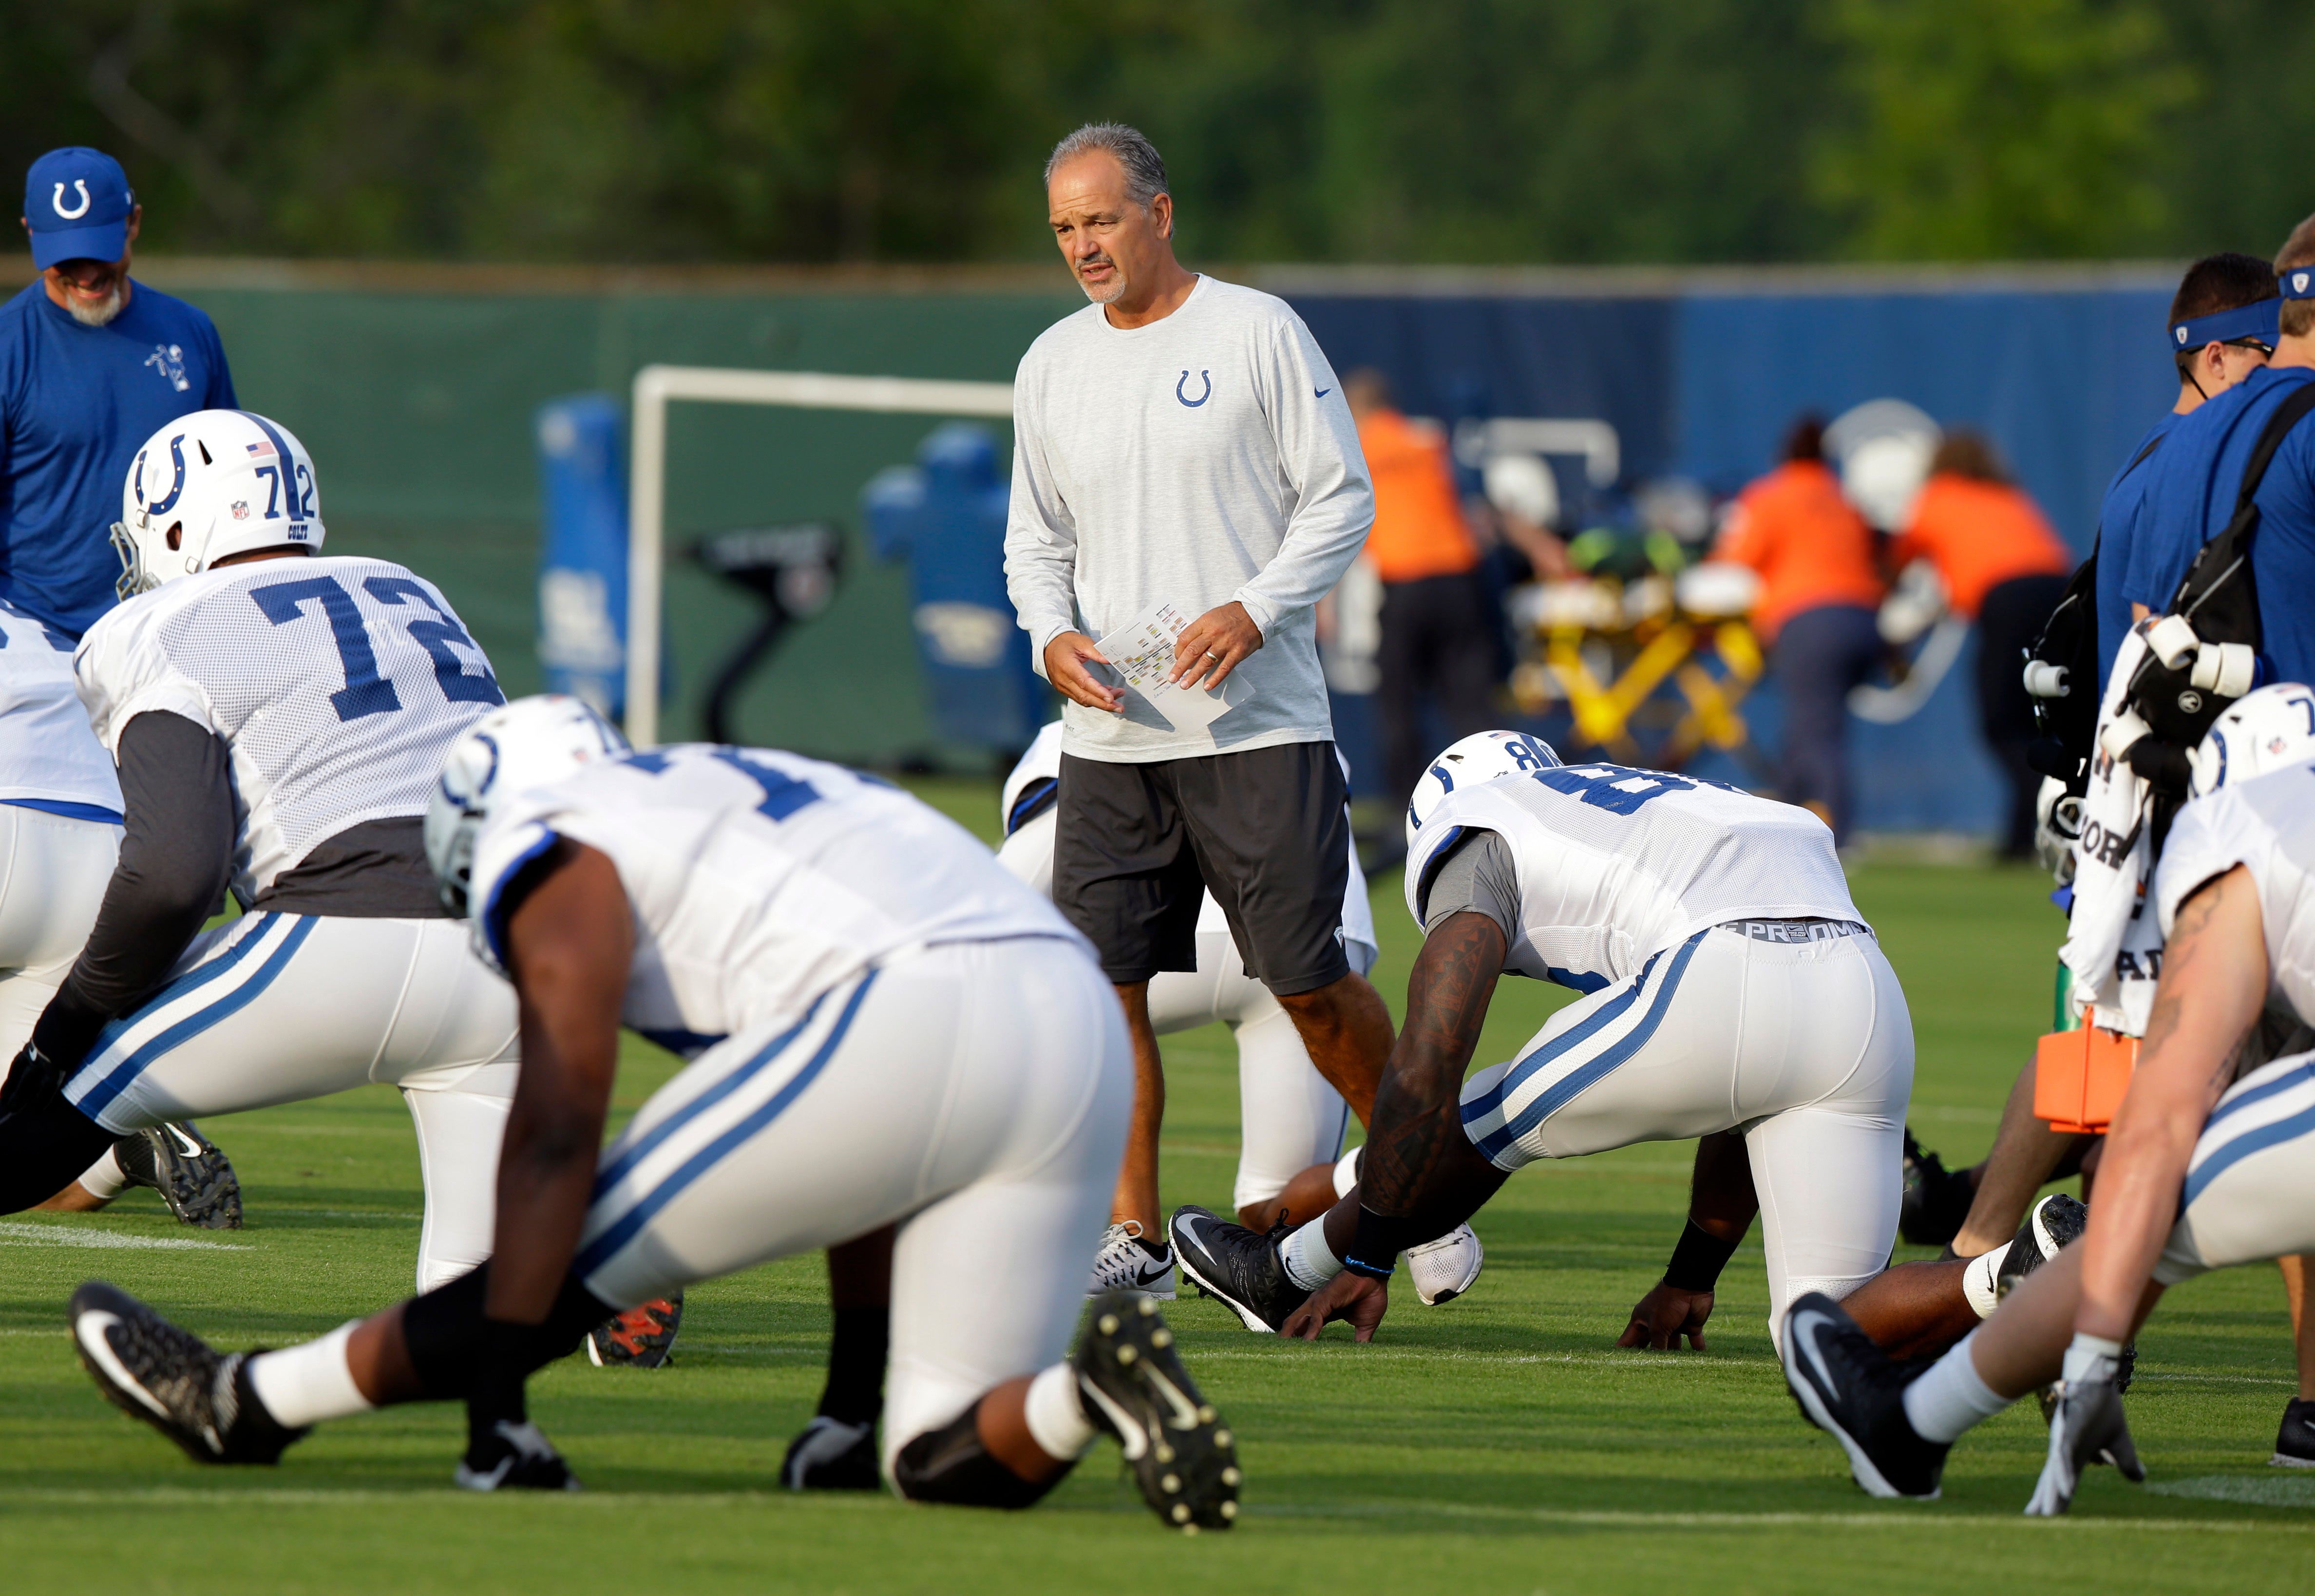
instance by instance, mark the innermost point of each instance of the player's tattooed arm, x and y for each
(1418, 1161)
(2213, 987)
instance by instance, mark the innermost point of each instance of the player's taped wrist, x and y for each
(1697, 1259)
(1376, 1243)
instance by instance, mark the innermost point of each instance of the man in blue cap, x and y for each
(91, 364)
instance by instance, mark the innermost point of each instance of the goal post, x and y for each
(657, 386)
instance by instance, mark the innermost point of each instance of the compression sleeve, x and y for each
(176, 859)
(1478, 876)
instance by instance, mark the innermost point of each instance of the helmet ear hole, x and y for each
(176, 537)
(205, 452)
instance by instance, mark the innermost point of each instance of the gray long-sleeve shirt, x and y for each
(1205, 457)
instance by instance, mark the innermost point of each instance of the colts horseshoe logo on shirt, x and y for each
(1204, 377)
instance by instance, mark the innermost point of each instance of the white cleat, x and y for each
(1124, 1263)
(1444, 1269)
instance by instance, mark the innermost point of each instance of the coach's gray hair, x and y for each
(1145, 168)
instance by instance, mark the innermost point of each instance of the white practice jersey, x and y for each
(759, 880)
(1615, 863)
(2267, 825)
(339, 685)
(1027, 802)
(48, 754)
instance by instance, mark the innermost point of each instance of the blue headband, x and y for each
(2260, 321)
(2298, 282)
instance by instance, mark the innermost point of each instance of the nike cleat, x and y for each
(1128, 1262)
(1852, 1390)
(643, 1337)
(172, 1380)
(1936, 1202)
(2294, 1443)
(831, 1455)
(1243, 1269)
(191, 1172)
(1444, 1269)
(2052, 1224)
(1131, 1384)
(511, 1456)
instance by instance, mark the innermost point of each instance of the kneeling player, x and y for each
(888, 1030)
(1730, 986)
(1291, 1119)
(278, 718)
(2209, 1162)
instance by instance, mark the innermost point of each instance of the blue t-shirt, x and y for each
(75, 404)
(2198, 473)
(2119, 514)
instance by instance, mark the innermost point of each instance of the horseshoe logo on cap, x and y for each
(72, 215)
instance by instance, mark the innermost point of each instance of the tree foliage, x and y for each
(1423, 130)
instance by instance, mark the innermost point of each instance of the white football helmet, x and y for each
(213, 483)
(2258, 733)
(1477, 759)
(518, 746)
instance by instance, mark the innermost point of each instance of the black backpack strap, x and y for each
(2287, 415)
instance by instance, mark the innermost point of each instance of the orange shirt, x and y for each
(1418, 525)
(1979, 534)
(1808, 542)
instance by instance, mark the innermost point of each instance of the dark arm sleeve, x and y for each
(177, 798)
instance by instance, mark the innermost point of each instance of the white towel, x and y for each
(2114, 941)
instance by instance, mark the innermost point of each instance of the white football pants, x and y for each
(1289, 1117)
(976, 1093)
(53, 872)
(275, 1008)
(1807, 1047)
(2251, 1183)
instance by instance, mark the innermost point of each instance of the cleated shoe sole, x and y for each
(1133, 1386)
(191, 1172)
(643, 1337)
(172, 1380)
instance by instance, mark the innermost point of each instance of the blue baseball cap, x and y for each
(76, 203)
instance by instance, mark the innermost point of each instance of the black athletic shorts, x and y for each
(1268, 831)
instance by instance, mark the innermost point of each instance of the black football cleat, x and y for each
(172, 1380)
(831, 1455)
(513, 1457)
(191, 1172)
(1238, 1266)
(643, 1337)
(2053, 1224)
(2294, 1443)
(1936, 1202)
(1132, 1385)
(1850, 1389)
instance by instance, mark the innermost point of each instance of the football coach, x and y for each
(1182, 441)
(91, 364)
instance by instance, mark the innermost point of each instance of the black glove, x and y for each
(32, 1076)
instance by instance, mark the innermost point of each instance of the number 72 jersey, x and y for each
(1615, 863)
(337, 683)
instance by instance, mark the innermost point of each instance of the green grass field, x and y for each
(1496, 1444)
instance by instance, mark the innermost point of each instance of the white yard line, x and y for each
(60, 1236)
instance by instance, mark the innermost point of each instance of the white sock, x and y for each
(1346, 1171)
(1977, 1283)
(104, 1177)
(2090, 1357)
(1056, 1417)
(303, 1385)
(1309, 1262)
(1952, 1397)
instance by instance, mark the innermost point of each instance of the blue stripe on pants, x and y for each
(2224, 1158)
(121, 1075)
(600, 1251)
(1589, 1073)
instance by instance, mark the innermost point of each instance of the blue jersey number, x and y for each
(367, 692)
(459, 685)
(1616, 788)
(783, 793)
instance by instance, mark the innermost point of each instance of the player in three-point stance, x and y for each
(887, 1029)
(2210, 1161)
(1291, 1119)
(60, 839)
(1733, 995)
(279, 718)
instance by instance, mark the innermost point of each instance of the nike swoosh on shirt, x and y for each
(1322, 393)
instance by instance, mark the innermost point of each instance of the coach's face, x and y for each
(93, 292)
(1110, 243)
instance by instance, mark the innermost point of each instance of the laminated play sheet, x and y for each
(1142, 651)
